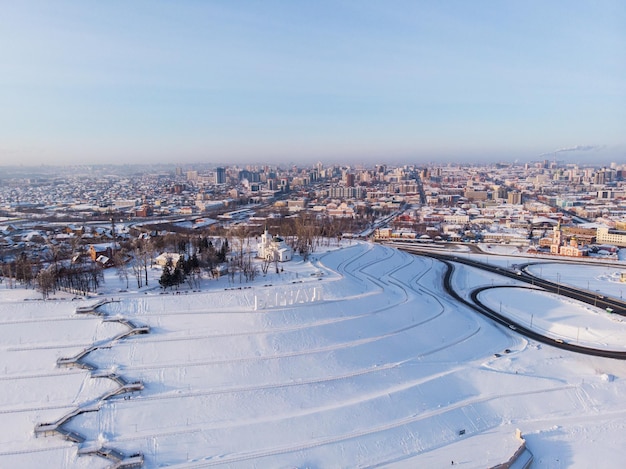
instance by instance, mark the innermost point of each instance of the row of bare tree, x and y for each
(79, 278)
(211, 247)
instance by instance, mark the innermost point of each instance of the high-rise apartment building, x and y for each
(220, 176)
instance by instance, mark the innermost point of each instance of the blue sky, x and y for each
(234, 81)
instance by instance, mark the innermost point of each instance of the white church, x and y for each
(274, 248)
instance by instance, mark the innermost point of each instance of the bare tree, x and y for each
(55, 254)
(119, 259)
(137, 271)
(147, 253)
(75, 245)
(78, 278)
(265, 264)
(241, 232)
(46, 281)
(232, 270)
(306, 229)
(24, 270)
(250, 270)
(143, 252)
(7, 273)
(96, 277)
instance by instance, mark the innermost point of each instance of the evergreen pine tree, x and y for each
(178, 276)
(166, 277)
(223, 252)
(194, 262)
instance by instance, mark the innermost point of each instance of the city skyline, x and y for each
(352, 81)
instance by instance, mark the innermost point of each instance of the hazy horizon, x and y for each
(354, 81)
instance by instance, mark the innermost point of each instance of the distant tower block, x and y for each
(220, 176)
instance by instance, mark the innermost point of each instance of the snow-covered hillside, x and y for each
(355, 358)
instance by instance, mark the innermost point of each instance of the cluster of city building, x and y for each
(549, 206)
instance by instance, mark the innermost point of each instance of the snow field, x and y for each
(385, 370)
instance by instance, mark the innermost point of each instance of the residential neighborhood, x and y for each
(115, 215)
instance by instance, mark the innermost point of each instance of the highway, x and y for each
(477, 305)
(593, 298)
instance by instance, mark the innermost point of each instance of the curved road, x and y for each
(601, 301)
(481, 308)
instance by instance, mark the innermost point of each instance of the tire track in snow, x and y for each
(301, 413)
(297, 327)
(39, 375)
(359, 272)
(34, 409)
(44, 320)
(369, 431)
(330, 348)
(47, 347)
(339, 346)
(34, 450)
(326, 379)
